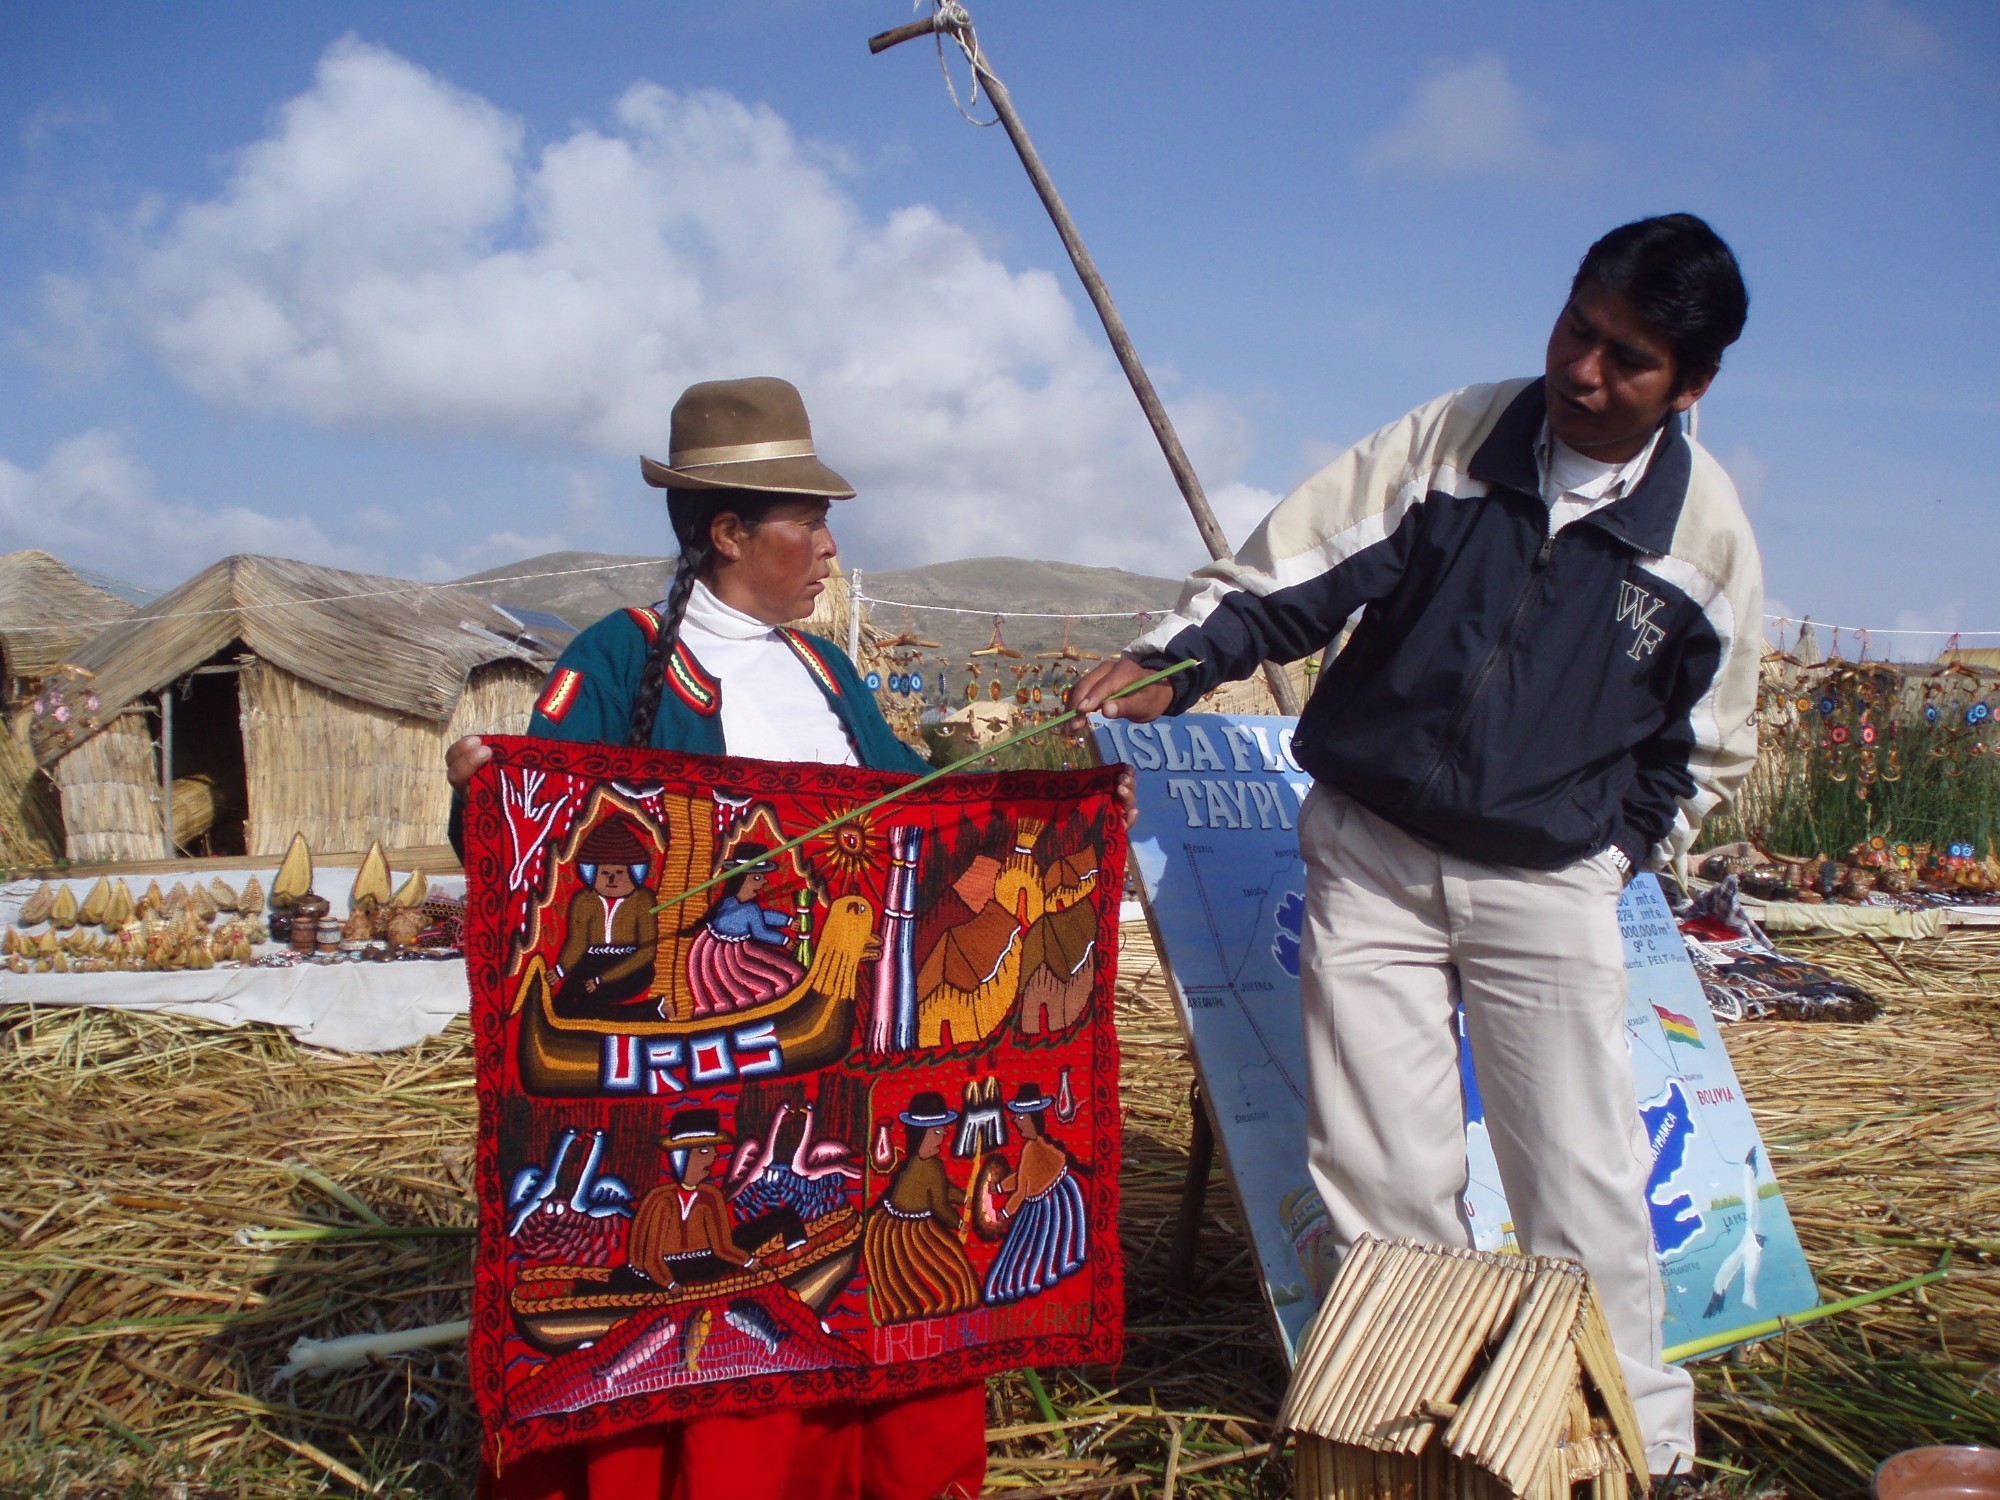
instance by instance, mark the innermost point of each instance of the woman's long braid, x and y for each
(692, 514)
(695, 550)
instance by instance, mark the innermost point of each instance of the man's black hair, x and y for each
(1680, 277)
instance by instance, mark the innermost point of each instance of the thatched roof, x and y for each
(47, 613)
(398, 645)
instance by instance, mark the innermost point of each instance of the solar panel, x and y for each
(538, 620)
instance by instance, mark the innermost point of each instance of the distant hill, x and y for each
(582, 598)
(985, 585)
(1004, 585)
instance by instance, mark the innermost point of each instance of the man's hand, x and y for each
(1128, 795)
(463, 758)
(1093, 694)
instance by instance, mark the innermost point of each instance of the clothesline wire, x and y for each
(1868, 629)
(1010, 614)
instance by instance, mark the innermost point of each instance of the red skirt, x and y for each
(915, 1449)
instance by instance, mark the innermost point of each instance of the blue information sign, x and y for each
(1216, 851)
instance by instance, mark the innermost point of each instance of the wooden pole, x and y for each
(953, 20)
(1194, 1194)
(854, 616)
(167, 771)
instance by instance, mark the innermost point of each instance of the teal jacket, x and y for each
(589, 695)
(588, 698)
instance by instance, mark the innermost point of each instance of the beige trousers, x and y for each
(1397, 933)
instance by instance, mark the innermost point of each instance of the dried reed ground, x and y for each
(138, 1337)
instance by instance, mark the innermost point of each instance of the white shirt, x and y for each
(1573, 486)
(771, 707)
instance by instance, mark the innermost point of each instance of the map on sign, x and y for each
(1217, 855)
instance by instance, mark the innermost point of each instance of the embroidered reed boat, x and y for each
(557, 1307)
(809, 1026)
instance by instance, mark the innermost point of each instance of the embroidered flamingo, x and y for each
(753, 1157)
(533, 1186)
(601, 1197)
(813, 1159)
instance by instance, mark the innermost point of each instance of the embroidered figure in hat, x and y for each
(741, 955)
(1048, 1226)
(607, 960)
(917, 1267)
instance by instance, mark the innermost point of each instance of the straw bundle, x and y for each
(110, 793)
(30, 809)
(497, 699)
(831, 609)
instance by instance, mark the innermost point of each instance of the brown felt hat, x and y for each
(615, 841)
(744, 435)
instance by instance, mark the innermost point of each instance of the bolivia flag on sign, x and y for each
(1678, 1027)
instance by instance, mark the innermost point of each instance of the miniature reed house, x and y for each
(1437, 1374)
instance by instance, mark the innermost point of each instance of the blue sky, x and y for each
(407, 288)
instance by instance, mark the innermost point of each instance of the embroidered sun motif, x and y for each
(849, 851)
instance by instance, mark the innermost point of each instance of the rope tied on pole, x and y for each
(949, 18)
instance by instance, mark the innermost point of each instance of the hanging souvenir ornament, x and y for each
(874, 681)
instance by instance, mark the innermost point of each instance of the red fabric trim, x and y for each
(560, 695)
(647, 621)
(691, 684)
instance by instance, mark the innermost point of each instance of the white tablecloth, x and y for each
(353, 1007)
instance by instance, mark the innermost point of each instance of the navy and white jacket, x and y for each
(1515, 697)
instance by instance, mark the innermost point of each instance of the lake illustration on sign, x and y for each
(1217, 856)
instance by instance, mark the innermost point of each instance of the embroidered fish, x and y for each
(644, 1348)
(697, 1335)
(752, 1321)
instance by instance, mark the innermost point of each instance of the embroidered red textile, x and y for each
(842, 1129)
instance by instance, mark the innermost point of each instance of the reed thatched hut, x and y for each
(47, 613)
(279, 697)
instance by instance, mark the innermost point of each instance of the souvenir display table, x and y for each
(341, 1000)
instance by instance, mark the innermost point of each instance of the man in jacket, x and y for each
(1550, 683)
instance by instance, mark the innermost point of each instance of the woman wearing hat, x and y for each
(715, 668)
(916, 1266)
(1047, 1224)
(738, 958)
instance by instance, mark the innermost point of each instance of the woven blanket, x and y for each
(843, 1127)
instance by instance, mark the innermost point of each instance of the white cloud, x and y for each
(1240, 507)
(92, 504)
(1469, 119)
(1884, 34)
(1751, 471)
(393, 257)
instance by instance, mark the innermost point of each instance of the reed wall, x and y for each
(346, 773)
(110, 793)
